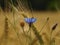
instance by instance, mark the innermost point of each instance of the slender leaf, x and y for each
(39, 37)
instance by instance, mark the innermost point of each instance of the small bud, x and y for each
(47, 18)
(22, 24)
(54, 27)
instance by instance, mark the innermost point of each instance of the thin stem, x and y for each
(20, 5)
(30, 33)
(43, 26)
(50, 37)
(31, 8)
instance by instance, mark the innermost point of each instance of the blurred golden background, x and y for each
(12, 14)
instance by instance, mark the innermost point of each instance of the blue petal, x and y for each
(33, 20)
(30, 20)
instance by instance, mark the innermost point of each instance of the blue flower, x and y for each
(30, 20)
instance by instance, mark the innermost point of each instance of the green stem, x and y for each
(39, 37)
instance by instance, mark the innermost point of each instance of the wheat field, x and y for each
(15, 35)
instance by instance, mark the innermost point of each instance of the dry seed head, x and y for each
(22, 24)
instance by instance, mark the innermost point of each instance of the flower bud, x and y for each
(22, 24)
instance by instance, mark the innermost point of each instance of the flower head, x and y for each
(30, 20)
